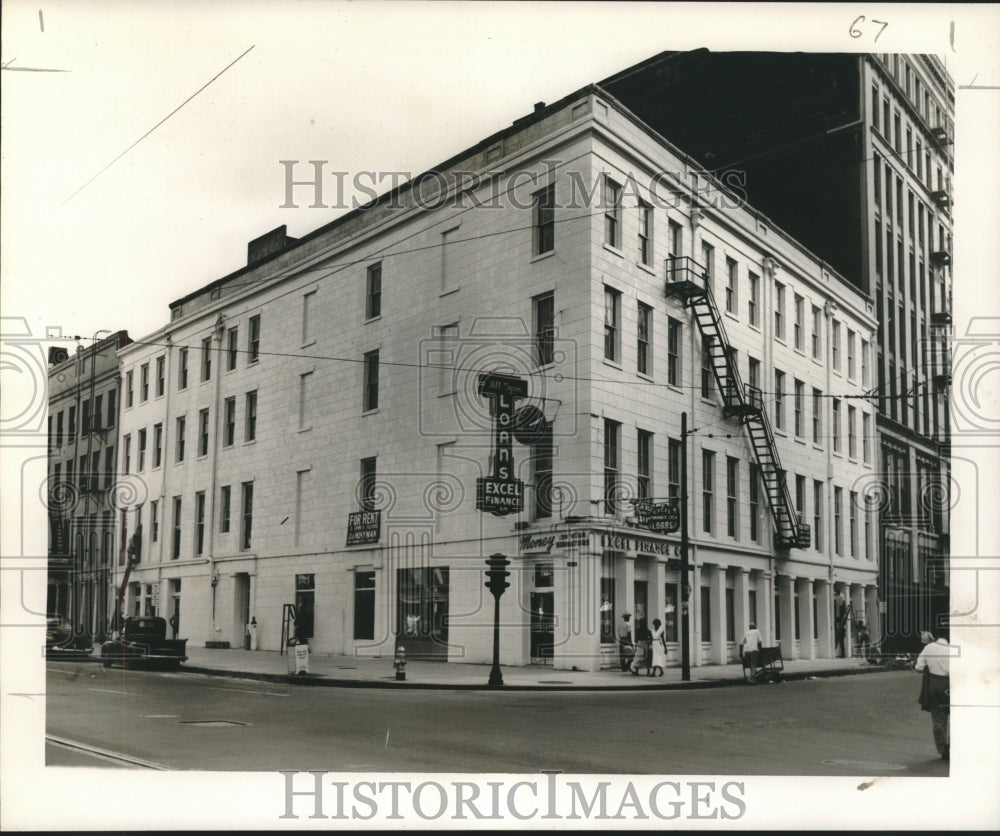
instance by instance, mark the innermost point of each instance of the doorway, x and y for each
(542, 632)
(241, 608)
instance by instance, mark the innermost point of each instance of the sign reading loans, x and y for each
(500, 493)
(363, 527)
(664, 517)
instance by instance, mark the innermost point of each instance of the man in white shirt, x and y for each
(751, 644)
(934, 691)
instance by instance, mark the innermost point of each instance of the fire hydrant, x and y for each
(399, 663)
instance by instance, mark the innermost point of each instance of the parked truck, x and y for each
(144, 643)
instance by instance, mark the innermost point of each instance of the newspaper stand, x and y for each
(769, 665)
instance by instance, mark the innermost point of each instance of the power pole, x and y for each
(685, 588)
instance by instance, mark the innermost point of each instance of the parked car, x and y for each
(62, 642)
(144, 643)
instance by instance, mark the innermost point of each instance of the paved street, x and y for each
(850, 725)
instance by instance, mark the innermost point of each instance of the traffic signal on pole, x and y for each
(496, 574)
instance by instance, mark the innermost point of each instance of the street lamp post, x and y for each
(496, 582)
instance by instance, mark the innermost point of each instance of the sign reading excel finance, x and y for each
(500, 493)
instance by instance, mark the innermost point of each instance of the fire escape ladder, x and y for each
(686, 279)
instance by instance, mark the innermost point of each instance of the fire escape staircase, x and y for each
(688, 281)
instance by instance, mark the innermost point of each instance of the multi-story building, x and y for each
(320, 426)
(83, 424)
(852, 154)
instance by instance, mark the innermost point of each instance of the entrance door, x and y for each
(422, 612)
(542, 633)
(241, 608)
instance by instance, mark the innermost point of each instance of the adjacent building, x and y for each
(310, 440)
(853, 155)
(83, 483)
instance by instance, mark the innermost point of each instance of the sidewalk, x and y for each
(349, 671)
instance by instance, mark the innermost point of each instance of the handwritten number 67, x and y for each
(854, 32)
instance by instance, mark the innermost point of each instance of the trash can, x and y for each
(298, 658)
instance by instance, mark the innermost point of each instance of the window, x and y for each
(144, 383)
(835, 344)
(206, 359)
(675, 239)
(754, 503)
(154, 520)
(247, 528)
(706, 368)
(850, 354)
(364, 605)
(835, 430)
(877, 167)
(852, 447)
(645, 234)
(308, 312)
(253, 340)
(157, 445)
(875, 122)
(707, 487)
(642, 339)
(233, 350)
(203, 432)
(612, 213)
(732, 493)
(865, 436)
(128, 401)
(673, 352)
(753, 303)
(799, 314)
(85, 418)
(373, 291)
(611, 323)
(175, 544)
(59, 424)
(852, 524)
(708, 263)
(370, 394)
(800, 396)
(225, 508)
(161, 383)
(817, 314)
(779, 310)
(229, 422)
(673, 468)
(779, 399)
(753, 369)
(304, 381)
(250, 430)
(109, 467)
(864, 362)
(368, 477)
(817, 415)
(544, 202)
(199, 523)
(818, 514)
(181, 426)
(542, 454)
(544, 314)
(182, 368)
(838, 498)
(645, 465)
(732, 286)
(612, 448)
(142, 450)
(706, 613)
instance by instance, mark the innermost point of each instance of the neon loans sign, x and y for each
(500, 493)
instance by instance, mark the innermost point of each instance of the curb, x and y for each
(322, 681)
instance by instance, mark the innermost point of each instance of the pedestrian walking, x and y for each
(864, 641)
(643, 648)
(750, 647)
(174, 623)
(625, 641)
(935, 694)
(659, 660)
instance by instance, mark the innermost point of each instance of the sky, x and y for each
(128, 183)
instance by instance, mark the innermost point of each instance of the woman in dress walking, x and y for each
(659, 649)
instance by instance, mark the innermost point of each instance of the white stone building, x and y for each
(337, 374)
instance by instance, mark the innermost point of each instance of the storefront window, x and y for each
(706, 614)
(607, 610)
(422, 609)
(670, 613)
(305, 594)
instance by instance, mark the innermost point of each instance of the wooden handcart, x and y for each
(768, 667)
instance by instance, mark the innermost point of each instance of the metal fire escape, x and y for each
(687, 280)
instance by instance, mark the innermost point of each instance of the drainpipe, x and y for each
(217, 335)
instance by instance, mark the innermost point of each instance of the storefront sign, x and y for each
(363, 527)
(544, 543)
(156, 593)
(658, 516)
(635, 543)
(500, 493)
